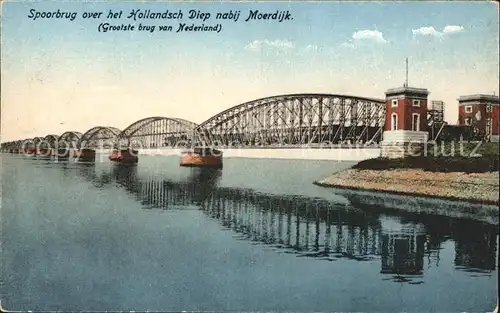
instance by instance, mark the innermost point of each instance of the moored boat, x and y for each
(202, 157)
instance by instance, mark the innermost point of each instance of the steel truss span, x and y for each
(99, 137)
(49, 141)
(296, 119)
(69, 139)
(36, 141)
(158, 131)
(16, 144)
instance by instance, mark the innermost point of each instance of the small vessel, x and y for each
(124, 156)
(202, 157)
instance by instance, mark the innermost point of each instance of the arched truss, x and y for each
(24, 143)
(99, 136)
(157, 131)
(70, 136)
(36, 141)
(296, 119)
(49, 141)
(16, 144)
(51, 138)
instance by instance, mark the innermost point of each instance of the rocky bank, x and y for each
(470, 187)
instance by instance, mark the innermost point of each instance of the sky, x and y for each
(62, 75)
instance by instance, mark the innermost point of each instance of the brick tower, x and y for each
(482, 112)
(405, 128)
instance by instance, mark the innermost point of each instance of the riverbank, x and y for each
(469, 172)
(471, 187)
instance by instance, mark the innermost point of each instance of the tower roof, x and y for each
(406, 90)
(480, 98)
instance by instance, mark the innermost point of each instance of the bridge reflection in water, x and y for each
(315, 227)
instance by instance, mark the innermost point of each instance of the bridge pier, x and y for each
(201, 157)
(85, 155)
(63, 154)
(29, 151)
(125, 156)
(43, 152)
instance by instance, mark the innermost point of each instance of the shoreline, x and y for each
(323, 183)
(478, 188)
(459, 194)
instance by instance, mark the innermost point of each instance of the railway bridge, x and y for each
(282, 121)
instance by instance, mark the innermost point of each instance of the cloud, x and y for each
(431, 31)
(426, 31)
(259, 45)
(364, 36)
(367, 34)
(452, 29)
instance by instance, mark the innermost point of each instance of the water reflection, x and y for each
(156, 192)
(314, 227)
(98, 179)
(475, 249)
(403, 254)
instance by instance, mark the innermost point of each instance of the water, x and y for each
(254, 236)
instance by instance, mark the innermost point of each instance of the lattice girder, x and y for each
(157, 131)
(294, 119)
(99, 137)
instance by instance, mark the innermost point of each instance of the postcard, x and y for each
(240, 156)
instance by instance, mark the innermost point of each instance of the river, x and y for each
(255, 236)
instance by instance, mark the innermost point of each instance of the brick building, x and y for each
(406, 109)
(405, 121)
(482, 112)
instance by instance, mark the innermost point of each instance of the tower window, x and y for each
(394, 121)
(416, 103)
(468, 121)
(468, 109)
(394, 103)
(415, 122)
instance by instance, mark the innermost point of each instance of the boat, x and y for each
(124, 156)
(202, 157)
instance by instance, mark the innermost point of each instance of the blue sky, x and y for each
(75, 77)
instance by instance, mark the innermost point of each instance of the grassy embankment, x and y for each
(471, 158)
(470, 174)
